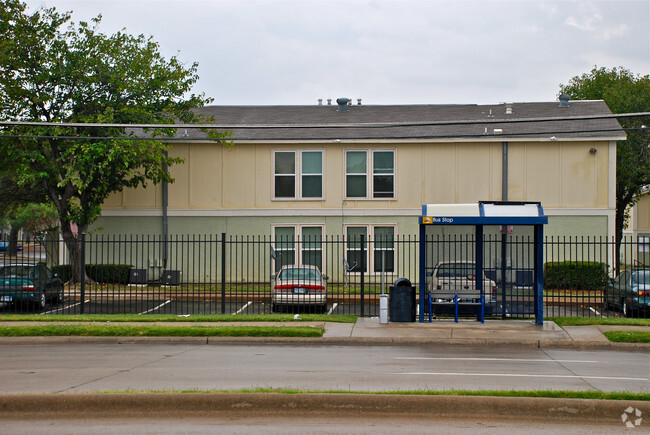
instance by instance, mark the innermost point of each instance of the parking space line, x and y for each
(243, 308)
(595, 311)
(65, 308)
(155, 308)
(334, 305)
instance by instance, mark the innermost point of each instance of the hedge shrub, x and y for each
(101, 273)
(575, 275)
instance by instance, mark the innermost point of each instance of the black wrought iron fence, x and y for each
(225, 274)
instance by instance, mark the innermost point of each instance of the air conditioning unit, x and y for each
(171, 277)
(138, 276)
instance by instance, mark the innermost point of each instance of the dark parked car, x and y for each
(629, 292)
(29, 283)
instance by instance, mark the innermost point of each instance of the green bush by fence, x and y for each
(101, 273)
(575, 275)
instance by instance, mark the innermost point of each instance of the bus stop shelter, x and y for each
(496, 218)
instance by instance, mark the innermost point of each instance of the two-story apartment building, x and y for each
(349, 169)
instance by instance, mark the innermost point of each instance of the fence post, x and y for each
(538, 258)
(223, 273)
(363, 266)
(504, 277)
(423, 274)
(82, 272)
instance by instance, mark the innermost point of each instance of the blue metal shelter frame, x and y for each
(479, 215)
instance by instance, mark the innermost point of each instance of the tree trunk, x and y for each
(620, 223)
(73, 243)
(12, 249)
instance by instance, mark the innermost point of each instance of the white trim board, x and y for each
(328, 212)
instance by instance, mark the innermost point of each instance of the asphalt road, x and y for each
(195, 366)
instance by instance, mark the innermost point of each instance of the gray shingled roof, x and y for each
(414, 122)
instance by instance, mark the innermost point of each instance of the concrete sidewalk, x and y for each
(369, 331)
(502, 332)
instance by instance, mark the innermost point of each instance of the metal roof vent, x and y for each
(564, 100)
(343, 104)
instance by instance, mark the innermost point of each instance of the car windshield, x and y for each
(17, 272)
(456, 269)
(641, 277)
(299, 274)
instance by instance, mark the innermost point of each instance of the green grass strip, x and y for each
(628, 336)
(582, 321)
(104, 330)
(176, 318)
(562, 394)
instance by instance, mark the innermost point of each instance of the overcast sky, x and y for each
(267, 52)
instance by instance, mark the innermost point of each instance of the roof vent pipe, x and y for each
(564, 100)
(343, 104)
(329, 101)
(358, 101)
(320, 101)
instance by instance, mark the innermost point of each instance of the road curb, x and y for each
(173, 405)
(329, 341)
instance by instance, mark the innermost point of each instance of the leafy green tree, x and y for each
(12, 198)
(75, 74)
(38, 219)
(624, 92)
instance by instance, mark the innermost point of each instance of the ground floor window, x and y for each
(378, 247)
(298, 244)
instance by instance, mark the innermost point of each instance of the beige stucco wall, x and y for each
(220, 191)
(559, 174)
(641, 215)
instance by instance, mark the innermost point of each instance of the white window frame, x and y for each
(369, 174)
(370, 252)
(298, 242)
(298, 175)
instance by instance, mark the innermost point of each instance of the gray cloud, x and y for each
(386, 52)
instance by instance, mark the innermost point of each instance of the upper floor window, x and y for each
(298, 174)
(370, 174)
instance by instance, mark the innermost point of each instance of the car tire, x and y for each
(42, 302)
(625, 309)
(274, 308)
